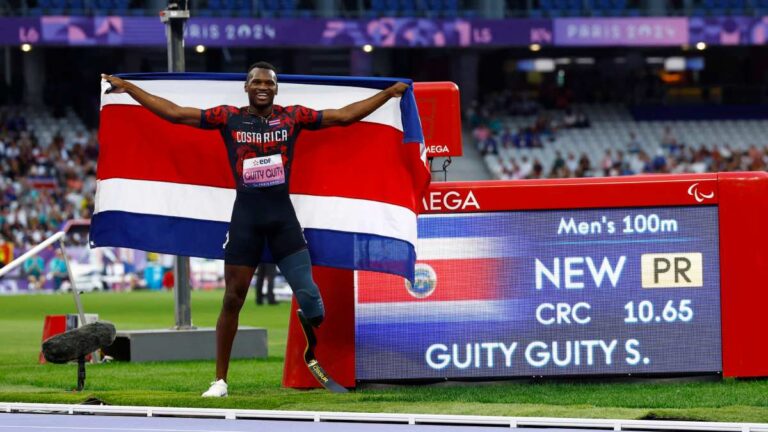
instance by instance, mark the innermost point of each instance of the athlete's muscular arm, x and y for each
(359, 110)
(161, 107)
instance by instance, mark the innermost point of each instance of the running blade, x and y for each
(309, 357)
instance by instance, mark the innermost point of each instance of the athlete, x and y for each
(260, 140)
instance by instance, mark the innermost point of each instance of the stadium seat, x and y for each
(610, 127)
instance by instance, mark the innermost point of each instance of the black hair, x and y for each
(262, 65)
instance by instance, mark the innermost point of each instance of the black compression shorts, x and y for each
(265, 217)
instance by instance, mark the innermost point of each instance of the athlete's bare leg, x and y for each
(237, 279)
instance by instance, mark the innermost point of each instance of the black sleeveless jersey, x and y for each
(260, 149)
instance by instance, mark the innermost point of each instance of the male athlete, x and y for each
(260, 140)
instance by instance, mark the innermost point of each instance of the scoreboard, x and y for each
(554, 292)
(658, 275)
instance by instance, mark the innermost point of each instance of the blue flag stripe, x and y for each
(200, 238)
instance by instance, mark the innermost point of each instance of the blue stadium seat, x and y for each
(101, 5)
(120, 7)
(572, 7)
(723, 7)
(75, 7)
(269, 8)
(268, 5)
(288, 8)
(214, 7)
(450, 8)
(56, 7)
(760, 7)
(408, 8)
(376, 8)
(561, 7)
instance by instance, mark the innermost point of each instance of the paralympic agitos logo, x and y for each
(698, 195)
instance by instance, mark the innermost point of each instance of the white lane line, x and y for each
(119, 429)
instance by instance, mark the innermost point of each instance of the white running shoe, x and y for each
(218, 389)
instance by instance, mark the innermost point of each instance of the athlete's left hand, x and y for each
(397, 89)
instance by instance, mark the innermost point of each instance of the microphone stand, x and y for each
(80, 312)
(80, 373)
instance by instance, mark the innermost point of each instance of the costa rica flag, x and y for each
(168, 188)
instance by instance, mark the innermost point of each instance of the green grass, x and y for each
(255, 384)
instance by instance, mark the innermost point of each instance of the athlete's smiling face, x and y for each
(261, 87)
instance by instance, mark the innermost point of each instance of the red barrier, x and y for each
(439, 100)
(53, 325)
(743, 273)
(336, 336)
(743, 210)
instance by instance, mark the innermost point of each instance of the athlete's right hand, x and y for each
(118, 85)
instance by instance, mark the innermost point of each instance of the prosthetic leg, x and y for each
(309, 357)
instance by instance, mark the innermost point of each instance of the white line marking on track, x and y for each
(119, 429)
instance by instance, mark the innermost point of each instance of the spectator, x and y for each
(6, 250)
(168, 280)
(558, 163)
(659, 163)
(569, 119)
(57, 270)
(481, 133)
(582, 121)
(633, 145)
(668, 138)
(526, 167)
(508, 138)
(33, 268)
(571, 163)
(607, 162)
(538, 169)
(489, 146)
(585, 167)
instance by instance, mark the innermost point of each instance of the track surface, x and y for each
(59, 422)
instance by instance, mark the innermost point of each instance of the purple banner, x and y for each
(14, 31)
(383, 32)
(728, 30)
(621, 31)
(387, 32)
(417, 32)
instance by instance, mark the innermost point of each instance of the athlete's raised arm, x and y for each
(359, 110)
(162, 107)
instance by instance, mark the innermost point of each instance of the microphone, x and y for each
(78, 343)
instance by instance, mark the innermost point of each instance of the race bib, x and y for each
(263, 171)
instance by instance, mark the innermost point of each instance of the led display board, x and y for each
(548, 293)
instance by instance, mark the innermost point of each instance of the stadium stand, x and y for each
(48, 173)
(387, 8)
(607, 141)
